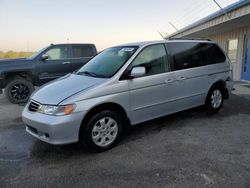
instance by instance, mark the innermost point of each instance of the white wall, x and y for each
(239, 34)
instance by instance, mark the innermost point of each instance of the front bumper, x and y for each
(53, 129)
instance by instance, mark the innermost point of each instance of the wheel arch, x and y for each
(27, 75)
(222, 85)
(106, 106)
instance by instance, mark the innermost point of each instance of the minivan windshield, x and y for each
(108, 62)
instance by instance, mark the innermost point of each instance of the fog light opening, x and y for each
(46, 135)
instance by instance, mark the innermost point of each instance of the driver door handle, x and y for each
(66, 62)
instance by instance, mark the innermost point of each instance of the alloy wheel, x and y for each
(104, 132)
(216, 98)
(19, 91)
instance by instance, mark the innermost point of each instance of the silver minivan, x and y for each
(126, 85)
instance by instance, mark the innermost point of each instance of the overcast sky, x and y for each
(28, 25)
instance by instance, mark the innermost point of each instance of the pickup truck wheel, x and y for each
(18, 90)
(102, 131)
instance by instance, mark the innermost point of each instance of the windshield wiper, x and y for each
(91, 74)
(88, 73)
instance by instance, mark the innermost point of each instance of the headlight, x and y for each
(57, 110)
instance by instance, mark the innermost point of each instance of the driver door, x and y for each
(152, 95)
(56, 65)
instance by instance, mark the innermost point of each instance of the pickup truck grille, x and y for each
(33, 106)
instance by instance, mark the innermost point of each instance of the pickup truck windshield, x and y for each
(35, 54)
(108, 62)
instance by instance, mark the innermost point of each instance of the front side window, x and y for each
(108, 62)
(58, 52)
(154, 59)
(82, 51)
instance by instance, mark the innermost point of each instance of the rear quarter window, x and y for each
(82, 51)
(212, 54)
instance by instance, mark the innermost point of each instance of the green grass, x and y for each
(13, 54)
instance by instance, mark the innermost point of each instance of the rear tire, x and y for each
(18, 90)
(102, 131)
(215, 99)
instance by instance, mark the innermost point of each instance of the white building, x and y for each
(231, 28)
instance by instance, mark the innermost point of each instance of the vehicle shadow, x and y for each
(4, 101)
(42, 151)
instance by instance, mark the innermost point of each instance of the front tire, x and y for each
(18, 90)
(215, 99)
(102, 131)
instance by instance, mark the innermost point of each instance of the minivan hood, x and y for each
(57, 91)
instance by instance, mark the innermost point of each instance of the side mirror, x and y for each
(44, 57)
(137, 72)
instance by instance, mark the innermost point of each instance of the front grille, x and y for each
(32, 129)
(33, 106)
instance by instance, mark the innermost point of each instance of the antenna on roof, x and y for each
(173, 26)
(222, 9)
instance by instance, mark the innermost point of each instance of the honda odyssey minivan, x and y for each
(126, 85)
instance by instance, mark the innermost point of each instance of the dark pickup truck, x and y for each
(19, 76)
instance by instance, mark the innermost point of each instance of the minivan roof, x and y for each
(145, 43)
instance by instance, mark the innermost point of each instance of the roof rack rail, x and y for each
(184, 38)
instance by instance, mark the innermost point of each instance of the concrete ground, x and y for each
(187, 149)
(242, 89)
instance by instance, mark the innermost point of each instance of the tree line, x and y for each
(12, 54)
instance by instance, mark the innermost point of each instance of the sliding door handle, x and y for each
(169, 80)
(181, 78)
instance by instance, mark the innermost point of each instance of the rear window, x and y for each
(212, 54)
(83, 51)
(191, 54)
